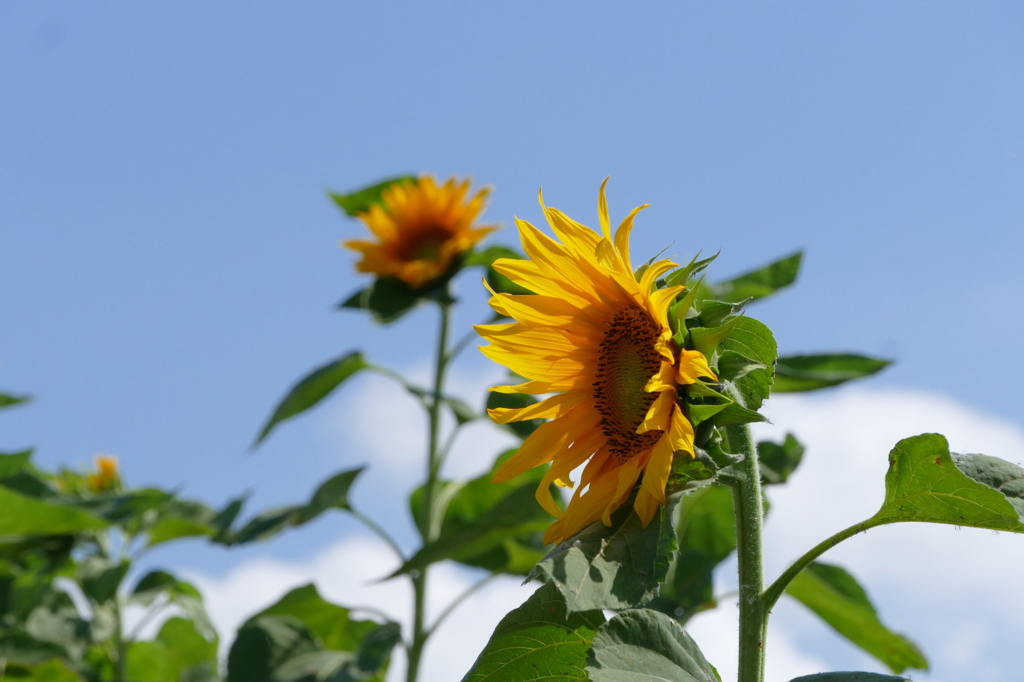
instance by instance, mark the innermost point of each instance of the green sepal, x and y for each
(313, 388)
(692, 269)
(388, 299)
(540, 640)
(678, 313)
(360, 200)
(714, 313)
(796, 373)
(707, 339)
(732, 366)
(643, 644)
(837, 598)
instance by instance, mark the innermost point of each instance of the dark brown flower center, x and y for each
(423, 244)
(627, 359)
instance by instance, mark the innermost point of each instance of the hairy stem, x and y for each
(773, 593)
(420, 632)
(750, 550)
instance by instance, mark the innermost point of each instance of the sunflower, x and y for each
(420, 228)
(597, 336)
(106, 476)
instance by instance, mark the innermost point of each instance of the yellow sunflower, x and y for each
(599, 338)
(420, 228)
(106, 476)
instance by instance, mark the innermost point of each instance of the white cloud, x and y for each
(956, 592)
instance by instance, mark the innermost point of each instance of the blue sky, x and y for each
(170, 256)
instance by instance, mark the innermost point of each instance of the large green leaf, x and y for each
(23, 515)
(362, 199)
(795, 373)
(100, 577)
(191, 656)
(497, 526)
(52, 671)
(707, 536)
(148, 662)
(332, 624)
(620, 567)
(754, 340)
(264, 644)
(838, 599)
(313, 388)
(759, 283)
(161, 584)
(332, 494)
(641, 645)
(850, 677)
(540, 640)
(12, 463)
(925, 483)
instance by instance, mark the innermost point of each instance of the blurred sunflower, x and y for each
(420, 228)
(106, 476)
(600, 339)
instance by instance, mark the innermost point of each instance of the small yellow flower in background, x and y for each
(420, 228)
(106, 476)
(601, 341)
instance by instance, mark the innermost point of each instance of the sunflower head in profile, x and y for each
(598, 337)
(420, 228)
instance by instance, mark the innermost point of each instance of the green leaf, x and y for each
(850, 677)
(190, 655)
(761, 282)
(24, 515)
(613, 568)
(264, 644)
(642, 645)
(778, 461)
(707, 536)
(332, 494)
(838, 599)
(497, 526)
(8, 400)
(925, 483)
(540, 640)
(733, 366)
(101, 577)
(14, 462)
(52, 671)
(796, 373)
(148, 662)
(332, 624)
(188, 598)
(362, 199)
(522, 429)
(754, 340)
(313, 388)
(388, 299)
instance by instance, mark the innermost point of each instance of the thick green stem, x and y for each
(420, 632)
(773, 593)
(750, 549)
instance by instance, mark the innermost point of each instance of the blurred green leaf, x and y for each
(540, 640)
(777, 460)
(838, 599)
(641, 644)
(52, 671)
(148, 662)
(28, 516)
(264, 644)
(925, 483)
(707, 536)
(522, 429)
(8, 400)
(14, 462)
(191, 657)
(489, 525)
(495, 279)
(332, 624)
(362, 199)
(313, 388)
(161, 584)
(850, 677)
(795, 373)
(754, 340)
(332, 494)
(100, 577)
(761, 282)
(620, 567)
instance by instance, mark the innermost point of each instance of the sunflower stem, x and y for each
(750, 535)
(420, 632)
